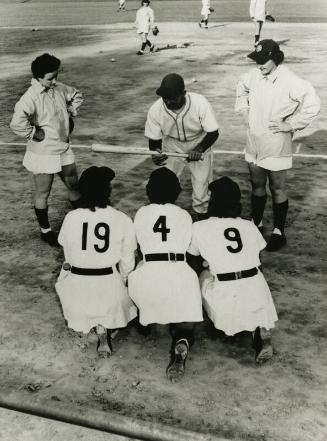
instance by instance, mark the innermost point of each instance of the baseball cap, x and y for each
(163, 186)
(264, 51)
(171, 86)
(225, 191)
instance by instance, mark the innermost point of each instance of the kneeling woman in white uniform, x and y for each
(164, 288)
(99, 246)
(235, 293)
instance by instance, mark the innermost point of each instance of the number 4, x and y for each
(161, 227)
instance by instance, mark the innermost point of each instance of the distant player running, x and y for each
(99, 245)
(235, 294)
(205, 13)
(259, 14)
(144, 23)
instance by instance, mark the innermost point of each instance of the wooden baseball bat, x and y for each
(106, 148)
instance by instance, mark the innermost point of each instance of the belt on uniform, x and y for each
(238, 275)
(87, 271)
(169, 257)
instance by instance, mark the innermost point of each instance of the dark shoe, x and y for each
(50, 238)
(276, 242)
(104, 347)
(140, 53)
(262, 346)
(152, 48)
(176, 368)
(270, 18)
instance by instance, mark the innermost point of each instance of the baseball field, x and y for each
(224, 395)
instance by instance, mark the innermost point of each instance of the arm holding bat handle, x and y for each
(197, 153)
(155, 145)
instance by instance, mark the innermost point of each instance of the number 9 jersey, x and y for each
(235, 293)
(164, 287)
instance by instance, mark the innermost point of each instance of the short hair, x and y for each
(277, 57)
(44, 64)
(225, 198)
(163, 186)
(95, 187)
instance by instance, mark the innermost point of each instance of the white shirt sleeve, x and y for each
(242, 94)
(152, 125)
(21, 122)
(207, 117)
(309, 104)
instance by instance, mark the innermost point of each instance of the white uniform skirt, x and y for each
(91, 300)
(165, 292)
(49, 164)
(238, 305)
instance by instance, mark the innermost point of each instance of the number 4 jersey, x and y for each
(164, 291)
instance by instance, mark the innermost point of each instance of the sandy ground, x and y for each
(224, 393)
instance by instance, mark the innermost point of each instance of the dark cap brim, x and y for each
(259, 57)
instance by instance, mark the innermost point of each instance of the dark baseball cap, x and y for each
(225, 191)
(171, 86)
(264, 51)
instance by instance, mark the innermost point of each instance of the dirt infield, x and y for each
(223, 393)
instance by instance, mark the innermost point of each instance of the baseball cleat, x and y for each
(176, 368)
(140, 53)
(262, 346)
(104, 347)
(276, 242)
(50, 238)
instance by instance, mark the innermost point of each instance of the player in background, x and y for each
(235, 294)
(184, 122)
(121, 5)
(164, 288)
(144, 23)
(44, 117)
(99, 245)
(205, 12)
(274, 103)
(258, 16)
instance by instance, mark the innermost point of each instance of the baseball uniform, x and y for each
(280, 96)
(144, 20)
(232, 245)
(164, 291)
(94, 240)
(49, 109)
(205, 10)
(182, 131)
(258, 10)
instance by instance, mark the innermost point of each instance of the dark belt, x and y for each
(87, 271)
(169, 257)
(238, 275)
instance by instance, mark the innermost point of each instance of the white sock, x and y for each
(45, 230)
(277, 231)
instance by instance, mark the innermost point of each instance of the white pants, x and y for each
(201, 176)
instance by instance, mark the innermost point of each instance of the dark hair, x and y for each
(225, 198)
(95, 187)
(277, 57)
(217, 209)
(44, 64)
(163, 187)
